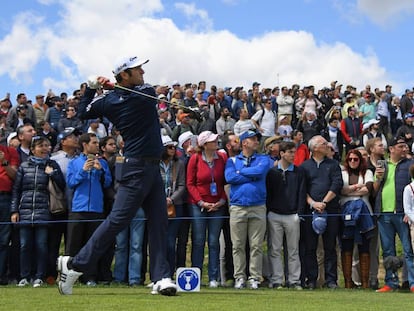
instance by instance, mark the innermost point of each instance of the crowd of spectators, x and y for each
(233, 160)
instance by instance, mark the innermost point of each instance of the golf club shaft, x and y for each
(150, 96)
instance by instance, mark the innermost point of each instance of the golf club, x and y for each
(194, 112)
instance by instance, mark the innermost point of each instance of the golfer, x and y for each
(138, 173)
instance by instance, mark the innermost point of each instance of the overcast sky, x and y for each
(55, 44)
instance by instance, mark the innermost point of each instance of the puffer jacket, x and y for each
(30, 196)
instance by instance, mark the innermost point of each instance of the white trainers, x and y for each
(254, 284)
(67, 277)
(213, 284)
(23, 283)
(37, 283)
(165, 287)
(240, 283)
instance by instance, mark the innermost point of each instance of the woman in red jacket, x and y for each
(205, 185)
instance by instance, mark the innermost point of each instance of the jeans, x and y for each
(128, 251)
(212, 222)
(173, 228)
(140, 185)
(33, 242)
(5, 229)
(390, 224)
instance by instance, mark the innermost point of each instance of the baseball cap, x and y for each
(10, 137)
(167, 141)
(183, 115)
(397, 140)
(129, 62)
(408, 115)
(66, 133)
(184, 137)
(369, 123)
(319, 221)
(206, 137)
(249, 134)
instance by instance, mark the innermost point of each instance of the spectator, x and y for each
(173, 175)
(368, 111)
(46, 131)
(40, 109)
(246, 174)
(334, 135)
(225, 122)
(265, 121)
(205, 184)
(371, 130)
(309, 126)
(244, 123)
(9, 162)
(389, 184)
(285, 105)
(71, 120)
(30, 207)
(302, 151)
(355, 201)
(351, 129)
(54, 113)
(87, 175)
(323, 185)
(68, 146)
(97, 128)
(286, 199)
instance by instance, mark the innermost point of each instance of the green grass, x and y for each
(118, 298)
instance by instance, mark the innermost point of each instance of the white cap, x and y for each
(183, 138)
(11, 136)
(166, 141)
(129, 62)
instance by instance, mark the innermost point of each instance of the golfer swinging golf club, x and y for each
(134, 113)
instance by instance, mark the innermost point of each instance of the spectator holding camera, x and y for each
(390, 181)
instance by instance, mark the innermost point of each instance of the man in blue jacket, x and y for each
(137, 171)
(246, 174)
(87, 175)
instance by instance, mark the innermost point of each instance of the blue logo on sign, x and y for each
(188, 280)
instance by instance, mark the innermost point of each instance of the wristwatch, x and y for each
(5, 163)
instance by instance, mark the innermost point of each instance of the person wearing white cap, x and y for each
(371, 130)
(138, 173)
(173, 176)
(205, 185)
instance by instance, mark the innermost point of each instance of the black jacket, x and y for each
(285, 194)
(30, 196)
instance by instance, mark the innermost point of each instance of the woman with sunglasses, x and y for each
(173, 176)
(356, 215)
(30, 208)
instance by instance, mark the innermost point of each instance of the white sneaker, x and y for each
(67, 277)
(213, 284)
(37, 283)
(240, 283)
(254, 284)
(23, 283)
(165, 287)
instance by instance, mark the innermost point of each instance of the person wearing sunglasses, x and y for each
(71, 120)
(357, 218)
